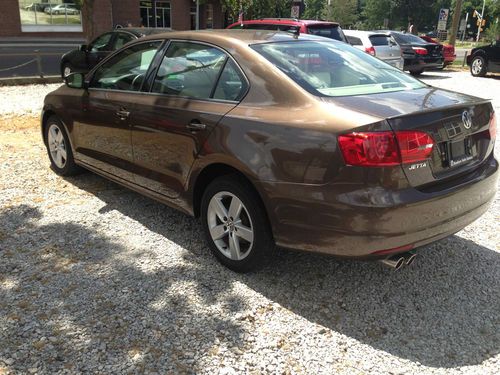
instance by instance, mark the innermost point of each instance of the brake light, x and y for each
(383, 149)
(420, 50)
(370, 50)
(493, 127)
(414, 146)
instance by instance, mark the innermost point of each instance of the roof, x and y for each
(363, 32)
(232, 36)
(289, 21)
(143, 31)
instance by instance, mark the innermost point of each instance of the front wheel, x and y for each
(235, 224)
(59, 148)
(478, 67)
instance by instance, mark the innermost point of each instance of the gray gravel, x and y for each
(97, 279)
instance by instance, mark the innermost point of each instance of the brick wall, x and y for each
(106, 15)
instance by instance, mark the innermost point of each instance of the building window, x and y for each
(163, 14)
(192, 16)
(210, 16)
(146, 8)
(155, 13)
(50, 15)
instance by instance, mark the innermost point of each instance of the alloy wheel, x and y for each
(230, 225)
(57, 146)
(477, 66)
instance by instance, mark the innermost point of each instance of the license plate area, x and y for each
(454, 153)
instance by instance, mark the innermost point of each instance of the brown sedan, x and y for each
(273, 139)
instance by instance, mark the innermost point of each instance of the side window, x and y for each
(231, 84)
(122, 39)
(126, 70)
(101, 43)
(354, 41)
(189, 69)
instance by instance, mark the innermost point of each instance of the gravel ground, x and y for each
(97, 279)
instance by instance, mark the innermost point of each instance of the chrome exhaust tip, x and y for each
(395, 262)
(409, 258)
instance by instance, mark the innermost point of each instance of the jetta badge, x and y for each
(467, 119)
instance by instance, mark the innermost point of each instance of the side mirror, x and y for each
(75, 80)
(84, 48)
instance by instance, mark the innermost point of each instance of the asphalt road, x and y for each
(20, 60)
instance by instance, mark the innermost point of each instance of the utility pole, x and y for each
(454, 24)
(480, 22)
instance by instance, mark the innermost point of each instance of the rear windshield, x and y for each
(335, 69)
(380, 40)
(327, 31)
(408, 39)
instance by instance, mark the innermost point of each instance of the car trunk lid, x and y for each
(458, 124)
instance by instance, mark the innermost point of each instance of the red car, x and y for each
(326, 29)
(448, 50)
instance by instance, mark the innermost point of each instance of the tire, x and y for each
(59, 148)
(66, 69)
(478, 66)
(416, 72)
(240, 241)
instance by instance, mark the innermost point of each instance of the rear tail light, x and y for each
(420, 50)
(370, 50)
(493, 127)
(383, 149)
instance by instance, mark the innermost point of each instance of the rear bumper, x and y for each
(358, 221)
(421, 64)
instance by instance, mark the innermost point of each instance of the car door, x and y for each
(194, 87)
(102, 133)
(494, 57)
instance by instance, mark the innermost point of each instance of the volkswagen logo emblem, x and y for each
(467, 119)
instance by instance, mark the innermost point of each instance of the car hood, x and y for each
(400, 103)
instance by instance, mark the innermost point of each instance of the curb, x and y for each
(14, 81)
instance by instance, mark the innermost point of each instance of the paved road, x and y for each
(50, 58)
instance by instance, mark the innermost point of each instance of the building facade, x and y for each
(78, 19)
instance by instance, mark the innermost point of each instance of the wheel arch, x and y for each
(46, 115)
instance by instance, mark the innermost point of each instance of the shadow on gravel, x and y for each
(69, 301)
(443, 311)
(429, 75)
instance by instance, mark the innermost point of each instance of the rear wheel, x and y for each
(59, 148)
(478, 66)
(235, 224)
(416, 72)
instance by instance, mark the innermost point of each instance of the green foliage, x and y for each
(254, 9)
(344, 12)
(314, 9)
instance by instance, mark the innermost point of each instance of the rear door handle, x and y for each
(195, 126)
(122, 114)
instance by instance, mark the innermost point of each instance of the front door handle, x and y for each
(195, 126)
(122, 114)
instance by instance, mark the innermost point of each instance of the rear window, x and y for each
(354, 41)
(335, 69)
(380, 40)
(327, 31)
(408, 39)
(260, 26)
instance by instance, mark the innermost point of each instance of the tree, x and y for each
(344, 12)
(314, 9)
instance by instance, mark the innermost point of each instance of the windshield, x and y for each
(335, 69)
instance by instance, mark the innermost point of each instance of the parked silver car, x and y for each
(377, 44)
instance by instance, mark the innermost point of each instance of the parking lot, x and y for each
(95, 278)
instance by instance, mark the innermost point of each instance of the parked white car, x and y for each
(62, 9)
(377, 44)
